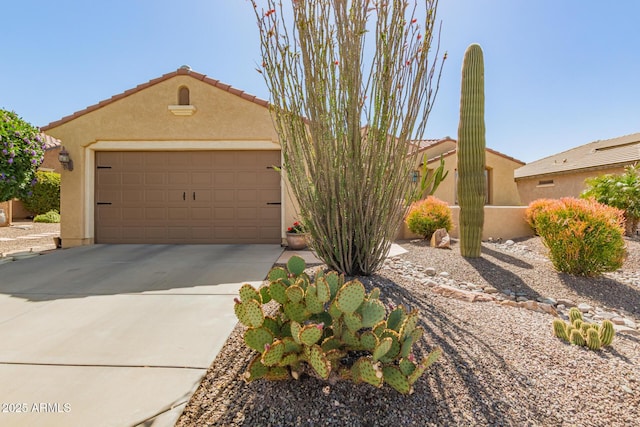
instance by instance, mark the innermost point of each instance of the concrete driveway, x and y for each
(116, 335)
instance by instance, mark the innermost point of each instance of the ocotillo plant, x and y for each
(471, 153)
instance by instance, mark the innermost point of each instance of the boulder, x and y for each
(441, 239)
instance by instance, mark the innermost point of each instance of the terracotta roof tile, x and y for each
(182, 71)
(49, 141)
(612, 152)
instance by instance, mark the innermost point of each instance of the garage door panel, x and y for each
(187, 197)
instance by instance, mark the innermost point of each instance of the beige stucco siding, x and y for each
(142, 121)
(564, 185)
(502, 187)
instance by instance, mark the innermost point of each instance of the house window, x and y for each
(183, 96)
(487, 187)
(545, 183)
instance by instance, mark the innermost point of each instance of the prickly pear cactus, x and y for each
(323, 324)
(471, 153)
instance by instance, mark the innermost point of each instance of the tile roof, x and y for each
(452, 151)
(182, 71)
(49, 141)
(613, 152)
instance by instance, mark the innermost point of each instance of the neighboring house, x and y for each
(182, 158)
(563, 174)
(49, 164)
(500, 186)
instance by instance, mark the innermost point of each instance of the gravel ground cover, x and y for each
(23, 235)
(501, 365)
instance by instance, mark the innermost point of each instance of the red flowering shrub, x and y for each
(535, 208)
(584, 237)
(427, 215)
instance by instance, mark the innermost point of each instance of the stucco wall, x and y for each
(506, 222)
(502, 187)
(143, 121)
(564, 185)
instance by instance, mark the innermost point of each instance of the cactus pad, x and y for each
(249, 313)
(374, 295)
(334, 311)
(290, 346)
(350, 339)
(296, 328)
(296, 311)
(382, 348)
(294, 293)
(296, 265)
(593, 339)
(331, 343)
(350, 296)
(407, 367)
(395, 346)
(364, 371)
(277, 290)
(256, 338)
(368, 340)
(409, 324)
(265, 296)
(396, 318)
(353, 321)
(424, 365)
(334, 281)
(323, 290)
(248, 292)
(256, 370)
(372, 312)
(277, 373)
(310, 334)
(560, 329)
(319, 362)
(395, 379)
(314, 305)
(574, 314)
(277, 273)
(273, 353)
(289, 359)
(606, 333)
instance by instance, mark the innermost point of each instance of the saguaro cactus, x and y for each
(471, 153)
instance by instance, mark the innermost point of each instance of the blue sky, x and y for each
(558, 73)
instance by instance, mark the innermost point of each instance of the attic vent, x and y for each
(545, 183)
(612, 147)
(183, 96)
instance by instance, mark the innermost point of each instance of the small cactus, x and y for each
(576, 338)
(606, 333)
(560, 330)
(574, 314)
(593, 340)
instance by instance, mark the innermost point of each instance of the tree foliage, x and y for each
(621, 191)
(21, 153)
(352, 82)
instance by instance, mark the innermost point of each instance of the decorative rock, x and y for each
(490, 290)
(530, 305)
(509, 243)
(441, 239)
(443, 274)
(617, 321)
(566, 302)
(626, 330)
(522, 299)
(451, 292)
(549, 301)
(630, 324)
(430, 271)
(548, 308)
(583, 307)
(509, 303)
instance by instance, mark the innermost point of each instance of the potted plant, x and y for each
(297, 237)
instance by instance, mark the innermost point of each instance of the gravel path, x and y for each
(501, 365)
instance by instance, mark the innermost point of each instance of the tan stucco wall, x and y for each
(502, 187)
(143, 121)
(564, 185)
(506, 222)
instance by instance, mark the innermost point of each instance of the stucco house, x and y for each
(501, 188)
(182, 158)
(563, 174)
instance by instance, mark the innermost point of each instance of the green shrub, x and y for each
(45, 194)
(620, 191)
(534, 209)
(50, 217)
(584, 237)
(428, 215)
(322, 327)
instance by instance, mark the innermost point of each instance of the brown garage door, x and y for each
(187, 197)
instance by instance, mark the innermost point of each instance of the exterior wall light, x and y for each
(65, 159)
